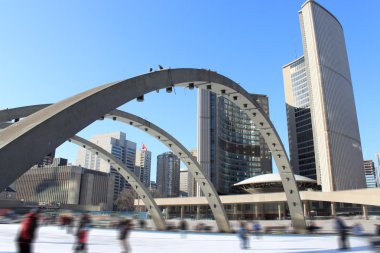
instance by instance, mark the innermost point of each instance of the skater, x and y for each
(341, 229)
(124, 229)
(27, 232)
(243, 235)
(82, 239)
(183, 228)
(257, 229)
(82, 233)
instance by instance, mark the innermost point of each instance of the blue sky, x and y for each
(50, 50)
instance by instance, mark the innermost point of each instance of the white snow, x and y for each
(54, 240)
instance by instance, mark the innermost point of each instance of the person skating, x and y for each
(341, 229)
(243, 235)
(27, 233)
(124, 230)
(82, 233)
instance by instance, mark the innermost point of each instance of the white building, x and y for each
(144, 161)
(116, 144)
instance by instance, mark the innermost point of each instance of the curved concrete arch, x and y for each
(73, 114)
(185, 156)
(128, 175)
(165, 138)
(135, 183)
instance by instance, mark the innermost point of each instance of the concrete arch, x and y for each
(165, 138)
(185, 156)
(144, 194)
(73, 114)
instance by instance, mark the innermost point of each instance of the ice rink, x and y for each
(54, 240)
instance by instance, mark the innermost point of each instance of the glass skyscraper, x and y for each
(168, 174)
(300, 128)
(230, 149)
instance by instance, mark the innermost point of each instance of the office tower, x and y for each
(66, 185)
(184, 182)
(329, 96)
(230, 149)
(370, 173)
(168, 175)
(300, 127)
(193, 188)
(116, 144)
(143, 162)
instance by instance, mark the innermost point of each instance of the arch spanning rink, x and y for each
(165, 138)
(50, 127)
(135, 183)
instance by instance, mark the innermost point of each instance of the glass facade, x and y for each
(299, 118)
(237, 150)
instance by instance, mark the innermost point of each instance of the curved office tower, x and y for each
(337, 146)
(230, 147)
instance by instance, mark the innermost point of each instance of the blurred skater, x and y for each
(183, 228)
(257, 229)
(357, 229)
(124, 229)
(341, 229)
(27, 233)
(243, 235)
(81, 235)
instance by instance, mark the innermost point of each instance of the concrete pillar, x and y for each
(198, 212)
(182, 212)
(365, 212)
(167, 212)
(256, 210)
(333, 210)
(306, 208)
(234, 211)
(279, 210)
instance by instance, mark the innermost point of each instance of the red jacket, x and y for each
(28, 228)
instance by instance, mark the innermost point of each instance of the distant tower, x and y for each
(119, 147)
(320, 81)
(370, 173)
(143, 161)
(184, 182)
(168, 175)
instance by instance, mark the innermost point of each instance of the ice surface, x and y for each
(54, 240)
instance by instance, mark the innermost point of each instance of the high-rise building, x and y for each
(320, 81)
(116, 144)
(230, 148)
(300, 127)
(66, 185)
(143, 162)
(370, 173)
(168, 174)
(184, 182)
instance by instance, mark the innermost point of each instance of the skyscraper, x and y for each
(184, 182)
(370, 173)
(300, 128)
(320, 101)
(143, 161)
(168, 174)
(230, 149)
(116, 144)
